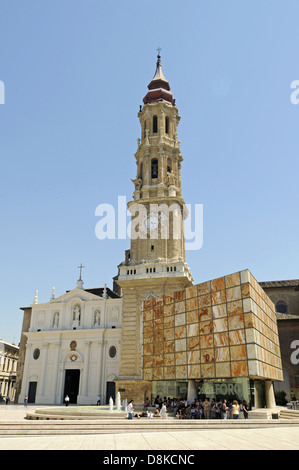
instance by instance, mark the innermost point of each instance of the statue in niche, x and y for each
(170, 178)
(76, 315)
(56, 320)
(97, 318)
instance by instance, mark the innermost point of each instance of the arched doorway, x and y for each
(71, 384)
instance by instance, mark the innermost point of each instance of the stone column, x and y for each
(60, 387)
(99, 371)
(85, 369)
(24, 389)
(55, 381)
(103, 371)
(269, 393)
(192, 391)
(44, 368)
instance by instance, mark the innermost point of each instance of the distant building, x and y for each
(9, 354)
(285, 296)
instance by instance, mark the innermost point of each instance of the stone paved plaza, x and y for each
(271, 437)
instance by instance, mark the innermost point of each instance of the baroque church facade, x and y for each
(72, 347)
(156, 332)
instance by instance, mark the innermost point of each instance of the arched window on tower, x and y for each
(155, 124)
(167, 125)
(154, 169)
(169, 166)
(140, 170)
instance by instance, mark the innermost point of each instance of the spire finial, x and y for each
(80, 267)
(53, 294)
(80, 282)
(159, 57)
(36, 297)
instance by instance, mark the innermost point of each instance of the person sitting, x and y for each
(146, 404)
(188, 412)
(179, 413)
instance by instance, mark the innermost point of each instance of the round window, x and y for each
(281, 307)
(112, 351)
(36, 353)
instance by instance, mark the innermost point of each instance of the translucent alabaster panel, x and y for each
(221, 328)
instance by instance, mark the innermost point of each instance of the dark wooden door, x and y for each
(71, 384)
(110, 391)
(32, 392)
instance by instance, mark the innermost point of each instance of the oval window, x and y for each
(281, 307)
(112, 351)
(36, 353)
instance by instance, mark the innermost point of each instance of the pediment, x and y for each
(77, 294)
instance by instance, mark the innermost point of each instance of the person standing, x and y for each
(224, 409)
(245, 409)
(146, 404)
(130, 409)
(26, 400)
(67, 400)
(99, 400)
(164, 411)
(236, 409)
(206, 408)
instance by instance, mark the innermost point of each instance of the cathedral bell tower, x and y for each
(157, 209)
(155, 263)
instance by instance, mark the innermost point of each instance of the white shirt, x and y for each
(130, 408)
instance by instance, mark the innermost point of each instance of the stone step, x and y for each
(289, 414)
(44, 428)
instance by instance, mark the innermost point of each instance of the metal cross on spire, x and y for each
(80, 267)
(159, 50)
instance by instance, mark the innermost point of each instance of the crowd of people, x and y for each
(201, 409)
(214, 409)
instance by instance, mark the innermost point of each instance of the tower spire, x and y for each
(159, 88)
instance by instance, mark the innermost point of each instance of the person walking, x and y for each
(67, 400)
(130, 409)
(245, 409)
(99, 400)
(236, 409)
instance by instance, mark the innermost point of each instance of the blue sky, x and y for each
(75, 73)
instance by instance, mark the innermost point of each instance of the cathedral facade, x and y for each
(72, 347)
(160, 333)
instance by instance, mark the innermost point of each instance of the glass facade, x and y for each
(239, 388)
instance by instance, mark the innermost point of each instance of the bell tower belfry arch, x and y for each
(156, 259)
